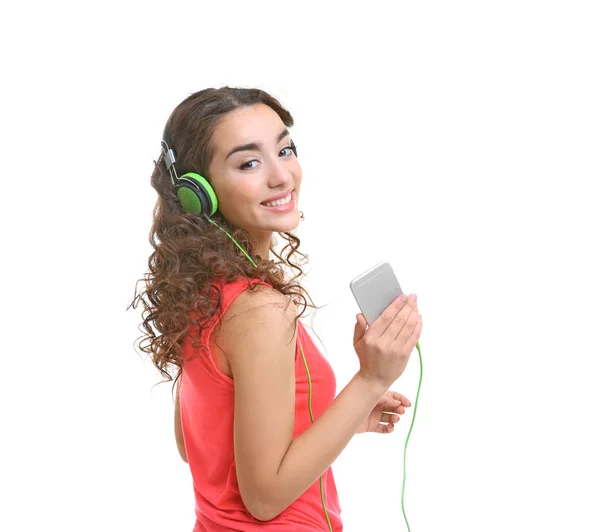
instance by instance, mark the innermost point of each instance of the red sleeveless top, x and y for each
(207, 406)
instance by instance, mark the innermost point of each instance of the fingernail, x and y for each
(404, 298)
(413, 297)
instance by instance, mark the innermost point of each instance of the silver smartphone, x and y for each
(375, 289)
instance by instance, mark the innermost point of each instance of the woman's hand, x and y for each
(388, 410)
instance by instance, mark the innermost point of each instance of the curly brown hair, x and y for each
(189, 251)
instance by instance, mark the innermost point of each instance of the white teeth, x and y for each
(279, 202)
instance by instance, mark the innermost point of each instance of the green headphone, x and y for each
(197, 196)
(193, 191)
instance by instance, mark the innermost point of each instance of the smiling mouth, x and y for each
(279, 202)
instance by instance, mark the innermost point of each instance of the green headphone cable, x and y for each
(410, 430)
(242, 249)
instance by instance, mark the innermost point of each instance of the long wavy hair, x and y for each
(189, 251)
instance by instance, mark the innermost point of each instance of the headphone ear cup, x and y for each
(196, 195)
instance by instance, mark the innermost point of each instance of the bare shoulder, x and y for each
(263, 297)
(258, 309)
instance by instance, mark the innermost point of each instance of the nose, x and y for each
(280, 172)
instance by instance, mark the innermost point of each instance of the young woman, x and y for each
(256, 417)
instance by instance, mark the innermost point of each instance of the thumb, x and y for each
(359, 328)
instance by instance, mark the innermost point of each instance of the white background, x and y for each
(457, 140)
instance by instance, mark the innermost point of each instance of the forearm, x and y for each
(311, 453)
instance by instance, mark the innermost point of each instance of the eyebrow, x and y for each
(256, 145)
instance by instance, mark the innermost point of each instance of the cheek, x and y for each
(246, 193)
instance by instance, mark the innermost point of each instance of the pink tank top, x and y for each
(207, 405)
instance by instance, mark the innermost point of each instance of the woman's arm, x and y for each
(273, 469)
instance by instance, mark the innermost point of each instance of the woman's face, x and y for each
(253, 163)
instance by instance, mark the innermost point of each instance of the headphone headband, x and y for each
(169, 152)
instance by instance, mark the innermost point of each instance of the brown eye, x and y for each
(244, 167)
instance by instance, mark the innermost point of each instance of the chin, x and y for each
(281, 222)
(284, 227)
